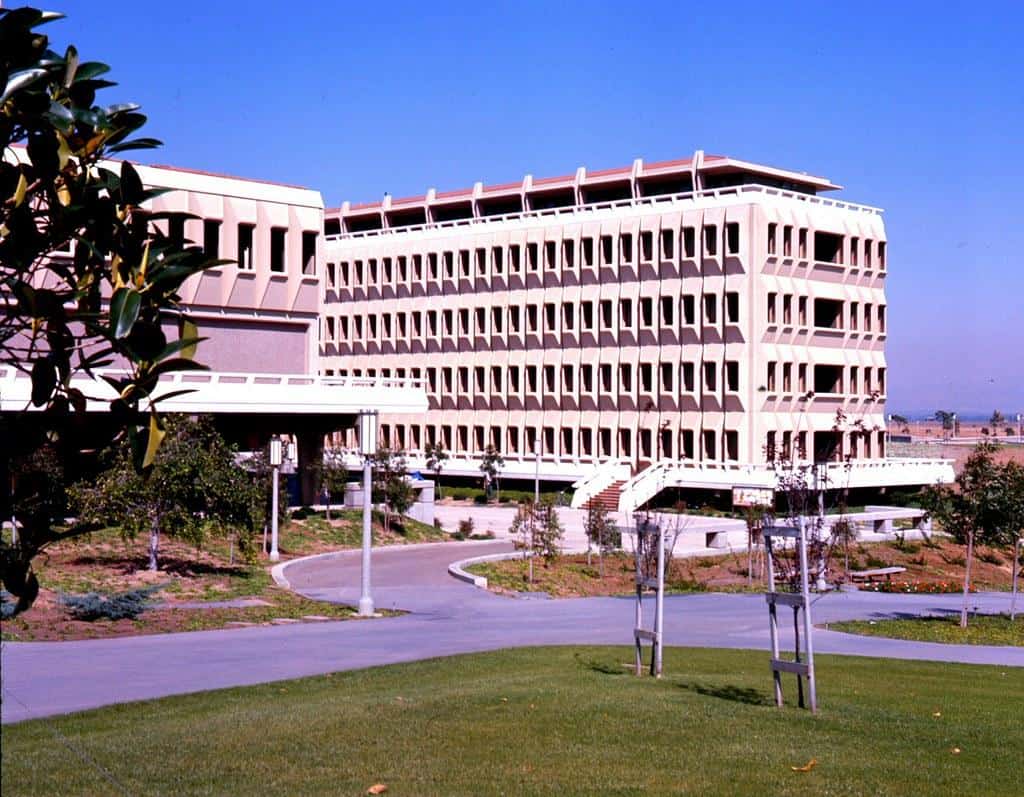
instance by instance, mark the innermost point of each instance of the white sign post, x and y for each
(275, 467)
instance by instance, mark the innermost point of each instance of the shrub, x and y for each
(119, 606)
(991, 557)
(917, 587)
(6, 605)
(874, 562)
(465, 530)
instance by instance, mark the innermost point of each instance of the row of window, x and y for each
(587, 252)
(250, 244)
(828, 379)
(828, 313)
(605, 315)
(789, 445)
(566, 442)
(829, 247)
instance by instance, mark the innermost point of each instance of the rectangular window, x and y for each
(566, 442)
(308, 252)
(854, 251)
(710, 381)
(514, 319)
(688, 374)
(403, 278)
(772, 232)
(787, 377)
(417, 268)
(607, 250)
(531, 378)
(626, 242)
(496, 256)
(802, 246)
(867, 253)
(710, 240)
(587, 378)
(625, 443)
(709, 444)
(211, 238)
(732, 308)
(587, 315)
(881, 318)
(607, 317)
(513, 379)
(828, 247)
(647, 312)
(689, 310)
(667, 245)
(448, 259)
(771, 377)
(568, 316)
(801, 310)
(567, 379)
(787, 241)
(731, 444)
(606, 377)
(646, 246)
(881, 255)
(343, 273)
(626, 313)
(854, 315)
(568, 253)
(732, 376)
(769, 446)
(496, 313)
(625, 378)
(689, 242)
(388, 271)
(515, 264)
(531, 318)
(496, 378)
(710, 309)
(550, 255)
(772, 297)
(464, 262)
(481, 321)
(646, 377)
(587, 245)
(665, 375)
(867, 317)
(176, 230)
(802, 377)
(550, 317)
(732, 238)
(480, 379)
(277, 248)
(787, 309)
(666, 311)
(533, 257)
(854, 379)
(245, 246)
(549, 379)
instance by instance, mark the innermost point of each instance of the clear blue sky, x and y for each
(914, 107)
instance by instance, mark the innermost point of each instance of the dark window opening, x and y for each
(772, 231)
(500, 206)
(607, 193)
(460, 210)
(732, 238)
(732, 376)
(667, 244)
(828, 247)
(550, 255)
(666, 311)
(711, 240)
(363, 223)
(732, 308)
(587, 245)
(245, 259)
(828, 379)
(410, 217)
(553, 199)
(211, 238)
(568, 253)
(626, 241)
(647, 311)
(689, 242)
(277, 248)
(659, 186)
(828, 314)
(607, 250)
(646, 246)
(689, 310)
(332, 226)
(533, 257)
(710, 309)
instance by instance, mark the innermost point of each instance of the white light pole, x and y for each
(1020, 430)
(367, 447)
(275, 464)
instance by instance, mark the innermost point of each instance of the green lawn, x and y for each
(982, 629)
(550, 721)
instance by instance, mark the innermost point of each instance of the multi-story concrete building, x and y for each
(710, 312)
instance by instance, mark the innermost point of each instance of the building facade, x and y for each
(707, 310)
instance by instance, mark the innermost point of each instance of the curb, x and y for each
(277, 571)
(457, 569)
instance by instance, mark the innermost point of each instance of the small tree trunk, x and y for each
(967, 578)
(1016, 577)
(327, 511)
(750, 558)
(154, 543)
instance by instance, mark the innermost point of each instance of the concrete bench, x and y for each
(871, 575)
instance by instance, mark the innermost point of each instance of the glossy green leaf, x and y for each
(124, 310)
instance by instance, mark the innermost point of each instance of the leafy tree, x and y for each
(490, 466)
(331, 477)
(996, 421)
(985, 506)
(194, 487)
(753, 516)
(538, 531)
(946, 419)
(902, 422)
(111, 299)
(391, 485)
(602, 533)
(436, 456)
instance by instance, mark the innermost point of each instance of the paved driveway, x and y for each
(445, 617)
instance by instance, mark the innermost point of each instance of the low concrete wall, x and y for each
(421, 510)
(458, 569)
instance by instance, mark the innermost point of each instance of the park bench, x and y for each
(878, 572)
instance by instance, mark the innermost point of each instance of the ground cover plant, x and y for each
(106, 564)
(549, 721)
(929, 567)
(983, 629)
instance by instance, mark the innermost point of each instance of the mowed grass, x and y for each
(982, 629)
(550, 721)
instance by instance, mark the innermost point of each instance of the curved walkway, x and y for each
(445, 617)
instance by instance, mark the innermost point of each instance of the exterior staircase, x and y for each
(608, 498)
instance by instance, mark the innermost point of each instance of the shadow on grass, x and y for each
(602, 667)
(734, 694)
(169, 564)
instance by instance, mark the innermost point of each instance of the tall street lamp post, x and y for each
(367, 447)
(275, 465)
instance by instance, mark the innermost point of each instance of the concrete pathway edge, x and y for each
(458, 569)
